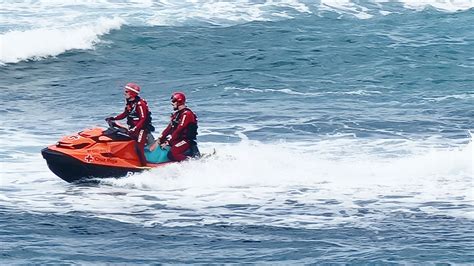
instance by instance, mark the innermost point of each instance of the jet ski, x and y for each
(95, 153)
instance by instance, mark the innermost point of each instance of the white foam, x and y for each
(296, 92)
(283, 91)
(358, 10)
(254, 174)
(223, 13)
(252, 163)
(442, 5)
(48, 13)
(294, 180)
(464, 96)
(17, 45)
(361, 92)
(345, 6)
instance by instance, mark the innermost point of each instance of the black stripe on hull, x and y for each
(72, 170)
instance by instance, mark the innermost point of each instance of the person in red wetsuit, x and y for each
(181, 132)
(138, 119)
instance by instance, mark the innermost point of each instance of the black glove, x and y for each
(109, 119)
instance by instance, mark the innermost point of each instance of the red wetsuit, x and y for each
(182, 131)
(137, 115)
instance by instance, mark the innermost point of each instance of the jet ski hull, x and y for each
(71, 169)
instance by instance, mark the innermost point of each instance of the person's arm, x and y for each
(122, 115)
(164, 134)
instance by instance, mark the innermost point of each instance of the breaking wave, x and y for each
(55, 26)
(17, 45)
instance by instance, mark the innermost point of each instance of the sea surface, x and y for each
(343, 131)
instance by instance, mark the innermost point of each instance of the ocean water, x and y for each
(342, 130)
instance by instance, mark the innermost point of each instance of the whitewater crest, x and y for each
(57, 27)
(16, 45)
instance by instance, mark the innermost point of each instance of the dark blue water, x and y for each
(342, 135)
(72, 239)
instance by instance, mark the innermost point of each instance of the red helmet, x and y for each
(178, 97)
(134, 88)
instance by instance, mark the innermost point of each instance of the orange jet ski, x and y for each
(95, 153)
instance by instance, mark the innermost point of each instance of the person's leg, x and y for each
(177, 151)
(140, 146)
(194, 150)
(150, 139)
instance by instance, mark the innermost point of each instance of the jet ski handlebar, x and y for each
(116, 127)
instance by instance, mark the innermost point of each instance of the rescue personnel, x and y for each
(180, 134)
(138, 119)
